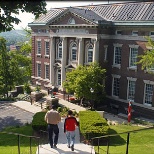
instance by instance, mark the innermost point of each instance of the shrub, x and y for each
(27, 88)
(38, 122)
(92, 124)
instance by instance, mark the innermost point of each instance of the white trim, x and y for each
(38, 62)
(46, 40)
(38, 39)
(131, 78)
(133, 46)
(117, 45)
(148, 82)
(116, 76)
(45, 63)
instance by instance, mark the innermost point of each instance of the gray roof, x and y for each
(139, 11)
(126, 11)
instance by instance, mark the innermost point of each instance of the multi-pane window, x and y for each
(116, 85)
(39, 70)
(38, 47)
(59, 77)
(47, 48)
(47, 71)
(133, 57)
(74, 52)
(148, 94)
(90, 54)
(59, 50)
(117, 55)
(131, 90)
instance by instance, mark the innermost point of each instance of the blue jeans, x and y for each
(70, 135)
(53, 129)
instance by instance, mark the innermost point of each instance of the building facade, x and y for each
(112, 35)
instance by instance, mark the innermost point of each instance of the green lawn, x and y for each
(141, 142)
(9, 142)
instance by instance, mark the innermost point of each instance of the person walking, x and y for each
(69, 128)
(52, 117)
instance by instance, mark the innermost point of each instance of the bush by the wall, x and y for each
(92, 124)
(38, 122)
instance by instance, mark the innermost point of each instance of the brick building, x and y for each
(111, 34)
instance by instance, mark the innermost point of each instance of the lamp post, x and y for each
(92, 91)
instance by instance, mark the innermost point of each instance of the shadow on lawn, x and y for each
(112, 140)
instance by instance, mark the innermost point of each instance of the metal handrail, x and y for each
(107, 136)
(28, 136)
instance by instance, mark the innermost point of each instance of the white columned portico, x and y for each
(64, 54)
(96, 50)
(52, 60)
(80, 51)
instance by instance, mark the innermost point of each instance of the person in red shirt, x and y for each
(69, 128)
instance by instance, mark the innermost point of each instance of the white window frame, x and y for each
(132, 58)
(105, 52)
(39, 47)
(59, 50)
(47, 73)
(38, 69)
(116, 58)
(149, 95)
(47, 48)
(113, 85)
(73, 52)
(59, 77)
(89, 53)
(131, 90)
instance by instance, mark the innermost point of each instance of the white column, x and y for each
(96, 50)
(64, 54)
(80, 51)
(52, 60)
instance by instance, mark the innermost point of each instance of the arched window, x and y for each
(59, 50)
(74, 52)
(90, 54)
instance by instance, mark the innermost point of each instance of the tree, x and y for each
(147, 59)
(15, 66)
(9, 7)
(5, 75)
(81, 79)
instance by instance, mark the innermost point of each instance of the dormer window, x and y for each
(135, 33)
(71, 21)
(152, 33)
(118, 32)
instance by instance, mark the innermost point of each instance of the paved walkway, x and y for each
(80, 148)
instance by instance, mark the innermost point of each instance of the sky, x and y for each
(28, 17)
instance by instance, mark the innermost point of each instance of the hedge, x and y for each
(92, 124)
(38, 122)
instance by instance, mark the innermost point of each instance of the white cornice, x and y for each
(123, 37)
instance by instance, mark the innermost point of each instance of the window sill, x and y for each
(132, 68)
(117, 66)
(149, 105)
(46, 56)
(38, 55)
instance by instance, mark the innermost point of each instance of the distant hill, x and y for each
(14, 37)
